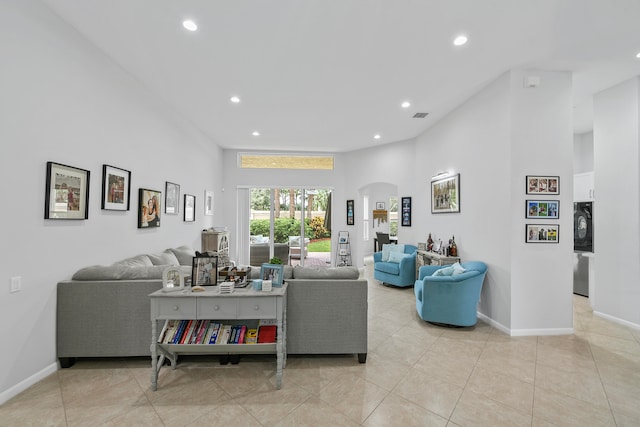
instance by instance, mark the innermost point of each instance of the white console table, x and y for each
(432, 258)
(242, 304)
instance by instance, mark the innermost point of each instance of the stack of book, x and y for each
(208, 332)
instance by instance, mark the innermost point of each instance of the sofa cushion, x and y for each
(184, 254)
(326, 273)
(136, 261)
(387, 248)
(165, 258)
(122, 272)
(388, 267)
(397, 257)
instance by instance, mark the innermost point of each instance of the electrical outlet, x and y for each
(16, 284)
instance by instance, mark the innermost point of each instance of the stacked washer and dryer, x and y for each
(582, 245)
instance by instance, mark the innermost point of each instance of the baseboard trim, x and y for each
(526, 332)
(27, 382)
(617, 320)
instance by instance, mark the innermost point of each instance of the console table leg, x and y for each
(154, 356)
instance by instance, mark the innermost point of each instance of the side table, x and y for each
(432, 258)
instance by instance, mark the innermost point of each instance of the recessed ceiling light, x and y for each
(234, 99)
(255, 133)
(406, 104)
(189, 25)
(376, 136)
(460, 40)
(638, 55)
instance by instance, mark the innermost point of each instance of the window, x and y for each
(365, 218)
(284, 161)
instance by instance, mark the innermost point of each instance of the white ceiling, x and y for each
(324, 76)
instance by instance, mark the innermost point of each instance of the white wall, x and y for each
(583, 152)
(616, 216)
(64, 101)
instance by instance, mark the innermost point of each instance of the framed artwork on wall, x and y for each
(189, 208)
(543, 184)
(208, 202)
(379, 205)
(406, 211)
(171, 198)
(350, 217)
(542, 233)
(549, 209)
(149, 202)
(445, 194)
(116, 188)
(66, 194)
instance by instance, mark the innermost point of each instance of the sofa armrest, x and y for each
(377, 256)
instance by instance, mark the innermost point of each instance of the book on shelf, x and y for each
(163, 332)
(267, 334)
(223, 335)
(187, 332)
(217, 328)
(243, 331)
(209, 333)
(198, 331)
(179, 332)
(251, 336)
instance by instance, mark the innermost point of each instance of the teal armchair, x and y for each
(450, 300)
(402, 273)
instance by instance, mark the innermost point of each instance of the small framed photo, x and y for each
(549, 209)
(406, 212)
(66, 194)
(189, 208)
(543, 184)
(172, 279)
(208, 202)
(171, 198)
(204, 271)
(379, 205)
(350, 214)
(445, 194)
(542, 233)
(116, 188)
(149, 208)
(273, 272)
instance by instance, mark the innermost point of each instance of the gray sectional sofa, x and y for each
(104, 311)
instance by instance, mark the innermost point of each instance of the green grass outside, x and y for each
(323, 245)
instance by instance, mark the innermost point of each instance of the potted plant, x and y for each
(275, 260)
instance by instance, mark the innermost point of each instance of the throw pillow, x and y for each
(294, 241)
(184, 254)
(256, 239)
(387, 248)
(396, 257)
(446, 271)
(458, 269)
(165, 258)
(136, 261)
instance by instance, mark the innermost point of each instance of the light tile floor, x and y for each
(416, 374)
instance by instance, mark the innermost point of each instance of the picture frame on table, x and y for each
(171, 198)
(172, 279)
(116, 188)
(539, 184)
(379, 205)
(350, 213)
(445, 194)
(273, 272)
(66, 193)
(189, 208)
(149, 208)
(208, 202)
(405, 211)
(548, 209)
(542, 233)
(204, 270)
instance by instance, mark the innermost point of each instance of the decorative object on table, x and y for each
(273, 273)
(172, 279)
(257, 284)
(208, 202)
(67, 192)
(380, 215)
(226, 287)
(189, 208)
(543, 184)
(445, 194)
(204, 271)
(267, 285)
(350, 214)
(149, 202)
(549, 209)
(542, 233)
(171, 198)
(380, 205)
(429, 243)
(437, 246)
(116, 188)
(422, 246)
(406, 212)
(452, 250)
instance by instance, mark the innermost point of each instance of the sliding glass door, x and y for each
(290, 225)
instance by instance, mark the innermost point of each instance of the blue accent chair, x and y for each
(401, 274)
(450, 300)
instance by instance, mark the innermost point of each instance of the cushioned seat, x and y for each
(450, 297)
(395, 265)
